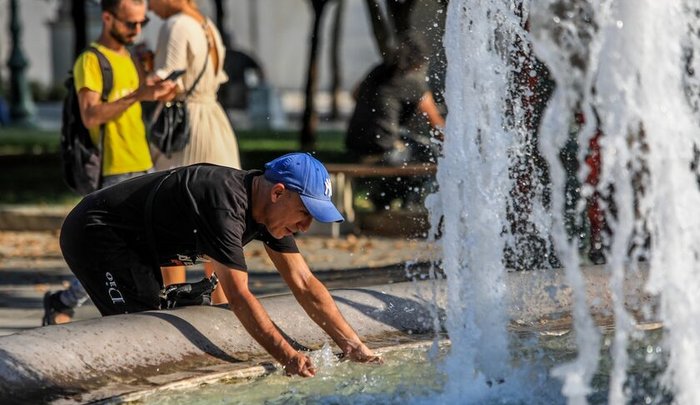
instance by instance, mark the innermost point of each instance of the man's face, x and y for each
(287, 214)
(125, 24)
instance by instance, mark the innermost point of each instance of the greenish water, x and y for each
(404, 375)
(416, 376)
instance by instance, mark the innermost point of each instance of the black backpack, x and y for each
(82, 160)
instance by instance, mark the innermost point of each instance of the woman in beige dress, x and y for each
(186, 40)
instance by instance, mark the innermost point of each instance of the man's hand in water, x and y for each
(300, 364)
(362, 354)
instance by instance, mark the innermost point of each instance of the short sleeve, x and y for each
(87, 74)
(285, 245)
(222, 241)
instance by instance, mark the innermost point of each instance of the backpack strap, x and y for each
(106, 70)
(107, 84)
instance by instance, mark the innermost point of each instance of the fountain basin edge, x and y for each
(98, 359)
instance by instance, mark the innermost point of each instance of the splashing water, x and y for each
(624, 76)
(473, 222)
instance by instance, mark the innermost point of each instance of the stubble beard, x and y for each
(120, 38)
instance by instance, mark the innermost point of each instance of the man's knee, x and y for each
(120, 289)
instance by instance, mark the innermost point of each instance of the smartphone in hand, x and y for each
(175, 74)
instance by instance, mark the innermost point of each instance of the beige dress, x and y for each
(182, 44)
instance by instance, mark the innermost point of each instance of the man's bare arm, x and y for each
(95, 113)
(428, 107)
(257, 321)
(319, 305)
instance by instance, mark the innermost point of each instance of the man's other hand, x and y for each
(160, 91)
(300, 364)
(363, 354)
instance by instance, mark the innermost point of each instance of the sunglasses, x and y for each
(131, 25)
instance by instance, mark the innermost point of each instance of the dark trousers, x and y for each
(117, 277)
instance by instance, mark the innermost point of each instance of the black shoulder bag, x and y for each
(170, 126)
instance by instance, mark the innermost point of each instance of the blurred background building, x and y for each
(275, 33)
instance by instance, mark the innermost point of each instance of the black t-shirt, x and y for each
(198, 210)
(386, 98)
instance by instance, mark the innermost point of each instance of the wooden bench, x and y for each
(342, 175)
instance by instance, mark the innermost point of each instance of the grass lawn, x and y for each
(30, 169)
(35, 141)
(24, 141)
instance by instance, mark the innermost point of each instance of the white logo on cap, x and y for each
(328, 191)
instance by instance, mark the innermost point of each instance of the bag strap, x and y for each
(148, 218)
(107, 83)
(206, 62)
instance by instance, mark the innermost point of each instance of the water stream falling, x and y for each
(622, 74)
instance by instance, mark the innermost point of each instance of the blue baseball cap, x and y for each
(307, 176)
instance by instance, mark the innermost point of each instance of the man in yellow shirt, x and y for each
(125, 151)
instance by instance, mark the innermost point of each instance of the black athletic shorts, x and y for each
(117, 277)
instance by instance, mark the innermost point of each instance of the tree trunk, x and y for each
(220, 22)
(310, 118)
(2, 88)
(400, 15)
(380, 27)
(79, 17)
(336, 68)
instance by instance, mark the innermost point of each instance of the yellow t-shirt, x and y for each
(125, 144)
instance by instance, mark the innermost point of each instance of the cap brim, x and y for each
(322, 210)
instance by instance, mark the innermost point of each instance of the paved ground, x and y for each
(31, 264)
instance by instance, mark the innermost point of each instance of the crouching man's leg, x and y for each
(115, 276)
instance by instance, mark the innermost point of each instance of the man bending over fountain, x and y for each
(116, 239)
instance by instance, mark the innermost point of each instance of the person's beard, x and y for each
(121, 38)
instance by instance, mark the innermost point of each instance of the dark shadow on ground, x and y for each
(9, 299)
(272, 283)
(26, 277)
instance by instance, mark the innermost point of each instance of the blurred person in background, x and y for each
(393, 93)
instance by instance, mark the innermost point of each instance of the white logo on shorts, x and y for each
(114, 294)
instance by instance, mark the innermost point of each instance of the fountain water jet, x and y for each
(622, 65)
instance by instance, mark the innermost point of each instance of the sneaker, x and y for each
(52, 314)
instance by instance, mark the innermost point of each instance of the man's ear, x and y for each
(276, 192)
(106, 18)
